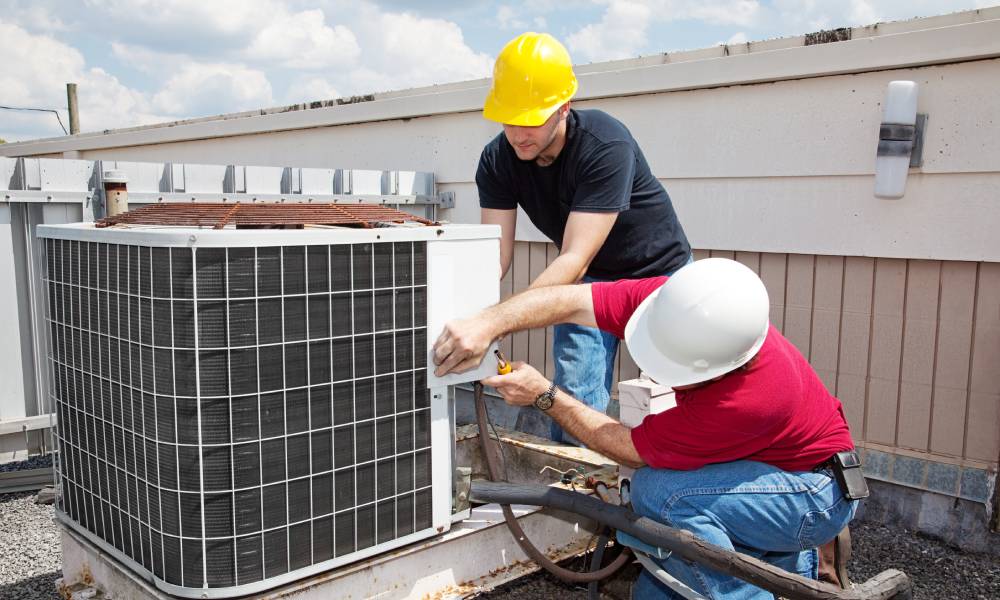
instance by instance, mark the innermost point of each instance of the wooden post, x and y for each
(74, 113)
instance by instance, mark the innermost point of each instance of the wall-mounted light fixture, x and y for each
(900, 139)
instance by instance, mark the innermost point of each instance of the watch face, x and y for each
(544, 401)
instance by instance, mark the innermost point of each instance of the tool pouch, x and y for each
(847, 469)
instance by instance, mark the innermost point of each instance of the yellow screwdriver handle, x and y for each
(503, 367)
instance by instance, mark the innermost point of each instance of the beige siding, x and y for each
(951, 371)
(917, 368)
(824, 338)
(911, 347)
(855, 340)
(984, 379)
(885, 351)
(772, 272)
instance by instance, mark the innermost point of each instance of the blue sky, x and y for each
(146, 61)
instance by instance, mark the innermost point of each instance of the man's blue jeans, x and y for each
(751, 507)
(585, 365)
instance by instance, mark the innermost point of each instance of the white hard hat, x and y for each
(709, 318)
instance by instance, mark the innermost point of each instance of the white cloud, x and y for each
(304, 41)
(147, 61)
(720, 12)
(620, 33)
(402, 50)
(508, 18)
(623, 29)
(36, 70)
(862, 11)
(310, 89)
(228, 17)
(192, 58)
(737, 38)
(37, 17)
(208, 88)
(803, 16)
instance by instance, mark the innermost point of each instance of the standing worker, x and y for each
(581, 178)
(756, 456)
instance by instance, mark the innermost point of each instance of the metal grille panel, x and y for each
(219, 215)
(228, 415)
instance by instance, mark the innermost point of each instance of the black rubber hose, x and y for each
(488, 446)
(887, 584)
(593, 588)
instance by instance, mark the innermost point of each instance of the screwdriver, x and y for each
(503, 367)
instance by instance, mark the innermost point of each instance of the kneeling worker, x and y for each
(750, 458)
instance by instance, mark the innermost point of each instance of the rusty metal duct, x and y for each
(219, 215)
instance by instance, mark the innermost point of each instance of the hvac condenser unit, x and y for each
(241, 408)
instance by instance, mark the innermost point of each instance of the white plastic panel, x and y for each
(32, 174)
(204, 178)
(142, 176)
(316, 181)
(12, 401)
(462, 279)
(366, 181)
(7, 168)
(414, 182)
(263, 180)
(61, 175)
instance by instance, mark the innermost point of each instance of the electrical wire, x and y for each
(53, 111)
(496, 436)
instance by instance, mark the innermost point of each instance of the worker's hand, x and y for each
(462, 345)
(521, 386)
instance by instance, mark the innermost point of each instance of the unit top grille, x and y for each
(218, 215)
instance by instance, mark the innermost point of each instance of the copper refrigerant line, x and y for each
(221, 214)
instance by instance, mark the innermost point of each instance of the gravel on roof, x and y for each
(30, 561)
(29, 549)
(938, 571)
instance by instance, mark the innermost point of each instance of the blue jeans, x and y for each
(751, 507)
(585, 365)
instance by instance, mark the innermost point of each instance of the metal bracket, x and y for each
(895, 139)
(446, 200)
(917, 155)
(463, 486)
(42, 196)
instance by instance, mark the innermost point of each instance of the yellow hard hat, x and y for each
(533, 76)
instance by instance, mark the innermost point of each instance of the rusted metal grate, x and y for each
(218, 215)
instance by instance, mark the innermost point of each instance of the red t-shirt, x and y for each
(777, 411)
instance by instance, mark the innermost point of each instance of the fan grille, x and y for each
(228, 415)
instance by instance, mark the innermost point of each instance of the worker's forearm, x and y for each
(541, 307)
(507, 220)
(506, 252)
(598, 431)
(566, 268)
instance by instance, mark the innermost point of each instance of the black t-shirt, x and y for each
(600, 169)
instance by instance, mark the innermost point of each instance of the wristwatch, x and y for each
(544, 400)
